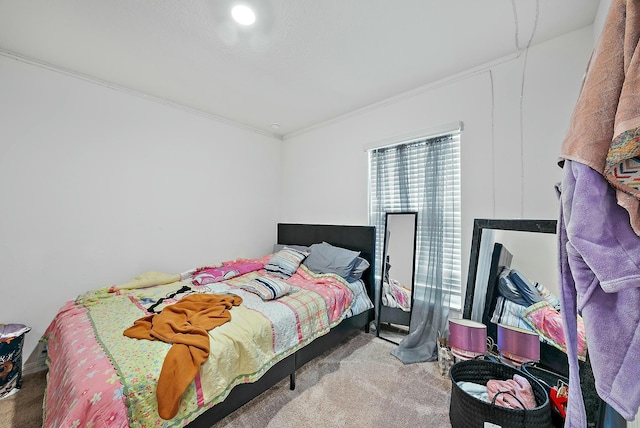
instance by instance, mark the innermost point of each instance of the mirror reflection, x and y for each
(395, 297)
(513, 287)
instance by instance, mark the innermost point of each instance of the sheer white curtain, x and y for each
(423, 176)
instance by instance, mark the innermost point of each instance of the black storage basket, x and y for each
(467, 411)
(548, 379)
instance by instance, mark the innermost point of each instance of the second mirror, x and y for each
(395, 295)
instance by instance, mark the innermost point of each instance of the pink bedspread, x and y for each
(83, 386)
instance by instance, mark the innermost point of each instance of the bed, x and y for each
(98, 376)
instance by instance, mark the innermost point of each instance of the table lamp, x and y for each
(468, 339)
(517, 345)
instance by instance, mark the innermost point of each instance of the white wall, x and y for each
(98, 185)
(601, 16)
(508, 164)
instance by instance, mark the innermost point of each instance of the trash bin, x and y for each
(11, 340)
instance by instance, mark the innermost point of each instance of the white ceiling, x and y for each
(303, 63)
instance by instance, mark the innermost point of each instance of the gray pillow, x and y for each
(516, 289)
(325, 258)
(359, 268)
(278, 247)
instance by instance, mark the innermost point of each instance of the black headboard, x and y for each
(356, 238)
(500, 259)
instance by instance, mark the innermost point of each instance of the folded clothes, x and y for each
(474, 389)
(512, 393)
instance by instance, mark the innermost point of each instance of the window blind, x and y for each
(423, 176)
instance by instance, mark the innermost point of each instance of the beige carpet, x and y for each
(23, 409)
(358, 384)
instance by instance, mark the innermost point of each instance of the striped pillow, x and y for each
(267, 288)
(285, 262)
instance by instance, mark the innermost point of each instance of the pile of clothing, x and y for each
(515, 393)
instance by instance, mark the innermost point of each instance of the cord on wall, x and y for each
(493, 144)
(524, 67)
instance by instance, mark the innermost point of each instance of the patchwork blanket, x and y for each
(99, 377)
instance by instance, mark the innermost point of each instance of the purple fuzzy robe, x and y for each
(600, 278)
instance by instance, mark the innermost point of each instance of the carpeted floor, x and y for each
(359, 384)
(23, 409)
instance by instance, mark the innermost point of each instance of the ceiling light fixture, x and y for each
(275, 126)
(243, 15)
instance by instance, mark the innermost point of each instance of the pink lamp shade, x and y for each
(517, 345)
(467, 338)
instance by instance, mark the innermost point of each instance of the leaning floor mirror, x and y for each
(395, 293)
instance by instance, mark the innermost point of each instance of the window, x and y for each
(423, 175)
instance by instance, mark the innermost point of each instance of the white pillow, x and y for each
(267, 288)
(285, 262)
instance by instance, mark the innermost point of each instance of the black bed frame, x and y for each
(357, 238)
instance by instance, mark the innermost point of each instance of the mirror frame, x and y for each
(518, 225)
(550, 357)
(403, 318)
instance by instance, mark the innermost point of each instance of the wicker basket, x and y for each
(466, 411)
